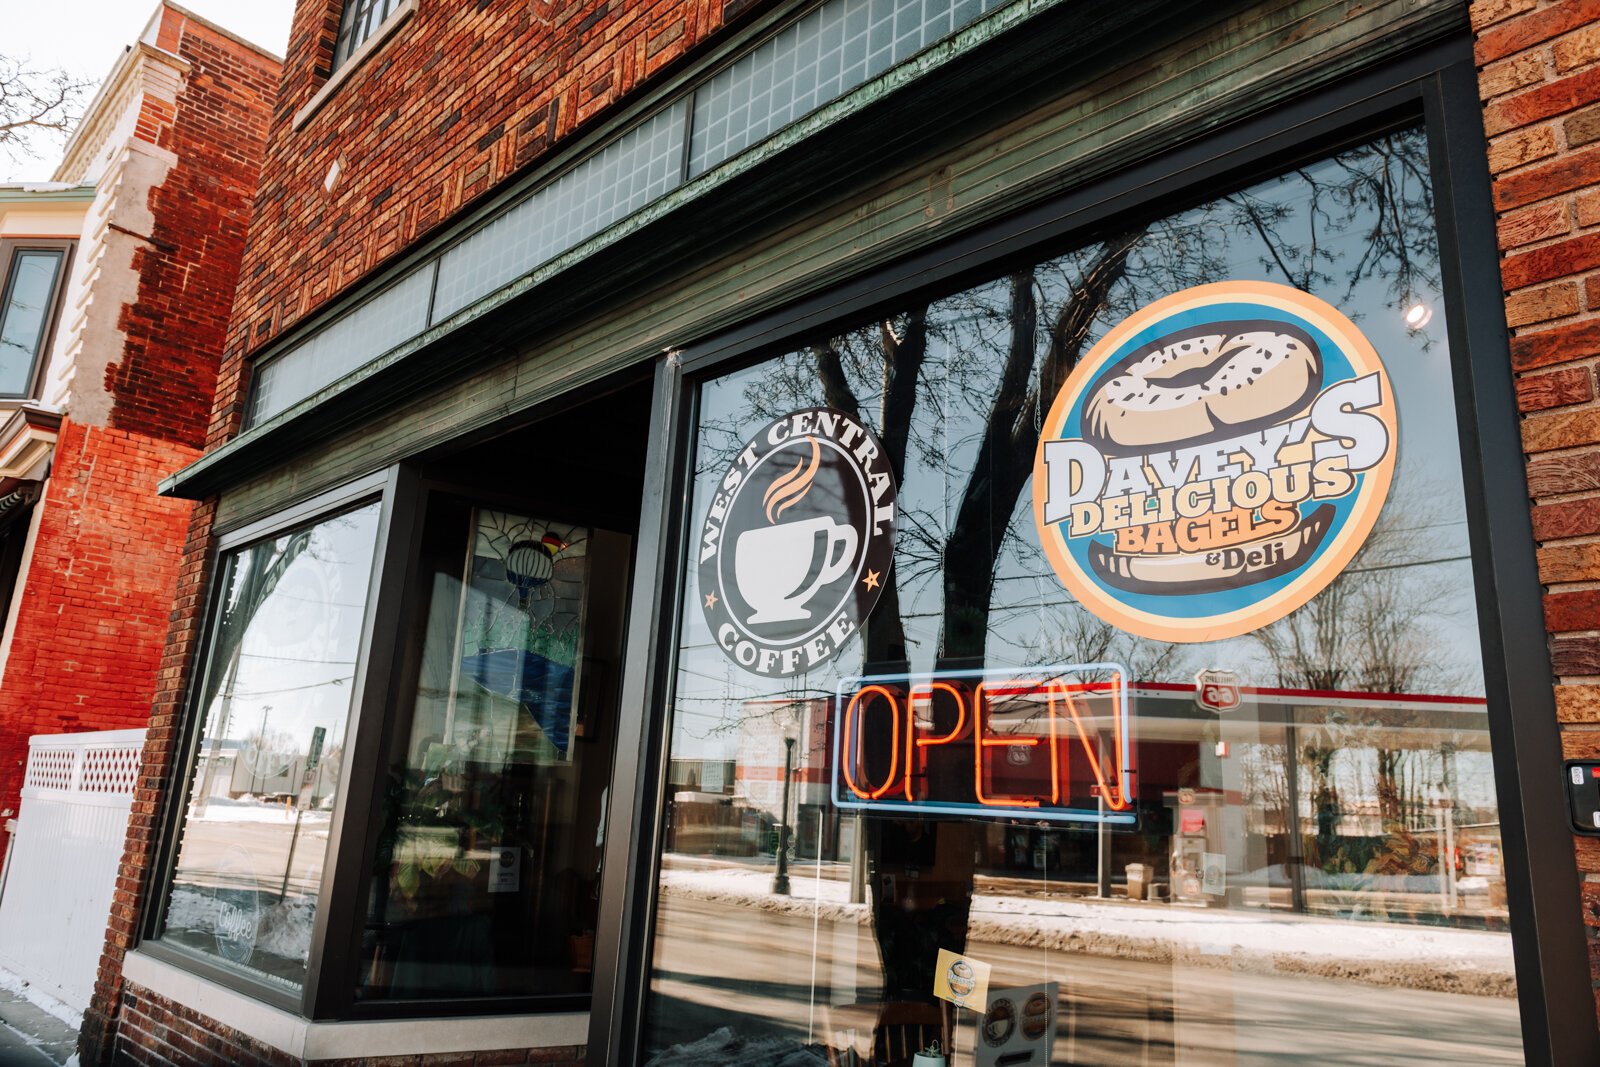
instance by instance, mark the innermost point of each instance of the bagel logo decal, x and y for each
(798, 541)
(1215, 461)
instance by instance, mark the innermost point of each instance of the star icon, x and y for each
(871, 580)
(711, 600)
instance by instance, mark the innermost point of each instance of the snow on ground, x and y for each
(1442, 958)
(19, 987)
(259, 813)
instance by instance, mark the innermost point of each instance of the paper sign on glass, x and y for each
(961, 980)
(505, 870)
(1019, 1028)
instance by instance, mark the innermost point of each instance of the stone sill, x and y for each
(312, 1041)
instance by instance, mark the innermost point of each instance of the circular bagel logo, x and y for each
(1215, 461)
(798, 541)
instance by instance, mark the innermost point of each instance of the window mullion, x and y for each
(330, 977)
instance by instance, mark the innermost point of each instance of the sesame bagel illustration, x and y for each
(1215, 460)
(1215, 381)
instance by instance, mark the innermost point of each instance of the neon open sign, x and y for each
(1038, 743)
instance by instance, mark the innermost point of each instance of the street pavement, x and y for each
(29, 1035)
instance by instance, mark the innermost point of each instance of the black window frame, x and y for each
(391, 490)
(368, 763)
(1435, 87)
(12, 249)
(329, 991)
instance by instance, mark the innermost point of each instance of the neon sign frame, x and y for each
(853, 695)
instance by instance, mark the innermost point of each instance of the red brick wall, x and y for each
(98, 1034)
(165, 381)
(93, 613)
(1539, 76)
(461, 97)
(156, 1032)
(416, 137)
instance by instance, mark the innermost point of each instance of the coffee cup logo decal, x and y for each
(773, 564)
(797, 541)
(1215, 461)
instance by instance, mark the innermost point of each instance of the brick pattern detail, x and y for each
(175, 329)
(107, 639)
(158, 1032)
(1539, 78)
(458, 99)
(93, 613)
(98, 1035)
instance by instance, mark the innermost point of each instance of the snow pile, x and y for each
(1473, 962)
(280, 928)
(725, 1047)
(808, 897)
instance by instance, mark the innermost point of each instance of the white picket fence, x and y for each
(62, 866)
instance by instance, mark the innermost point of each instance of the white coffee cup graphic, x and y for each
(771, 562)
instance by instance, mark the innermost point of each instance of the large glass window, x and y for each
(487, 872)
(943, 797)
(26, 310)
(276, 700)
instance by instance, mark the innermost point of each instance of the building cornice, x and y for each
(143, 68)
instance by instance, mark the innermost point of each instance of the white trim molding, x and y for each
(27, 439)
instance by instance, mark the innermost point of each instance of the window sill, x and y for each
(396, 19)
(310, 1041)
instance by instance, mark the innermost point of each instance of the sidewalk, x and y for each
(33, 1027)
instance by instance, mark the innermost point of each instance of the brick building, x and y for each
(1140, 586)
(119, 279)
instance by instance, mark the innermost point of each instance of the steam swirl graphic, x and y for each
(787, 490)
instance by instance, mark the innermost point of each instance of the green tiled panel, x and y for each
(1189, 79)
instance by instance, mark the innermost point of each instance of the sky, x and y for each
(85, 37)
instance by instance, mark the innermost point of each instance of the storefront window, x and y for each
(1084, 667)
(486, 880)
(276, 700)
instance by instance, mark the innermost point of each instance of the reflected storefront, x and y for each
(1093, 624)
(1195, 816)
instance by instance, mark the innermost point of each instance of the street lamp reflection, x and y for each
(791, 732)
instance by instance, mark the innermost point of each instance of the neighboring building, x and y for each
(117, 280)
(1104, 421)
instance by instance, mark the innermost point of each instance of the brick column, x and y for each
(1539, 78)
(96, 1038)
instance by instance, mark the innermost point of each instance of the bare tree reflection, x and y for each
(957, 390)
